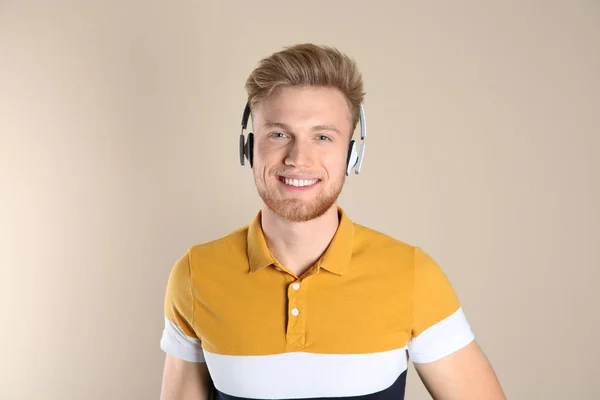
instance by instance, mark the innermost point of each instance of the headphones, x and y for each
(353, 161)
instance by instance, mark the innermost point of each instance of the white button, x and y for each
(278, 269)
(296, 286)
(295, 312)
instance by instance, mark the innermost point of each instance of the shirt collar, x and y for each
(259, 255)
(335, 259)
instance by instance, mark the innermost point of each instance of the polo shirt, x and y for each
(346, 328)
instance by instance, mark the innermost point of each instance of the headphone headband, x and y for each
(363, 122)
(246, 116)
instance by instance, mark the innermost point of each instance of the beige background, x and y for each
(119, 124)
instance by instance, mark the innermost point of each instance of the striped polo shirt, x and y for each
(346, 328)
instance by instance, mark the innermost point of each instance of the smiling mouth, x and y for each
(298, 182)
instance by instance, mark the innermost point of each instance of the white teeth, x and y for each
(299, 182)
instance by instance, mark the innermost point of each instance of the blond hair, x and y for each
(307, 65)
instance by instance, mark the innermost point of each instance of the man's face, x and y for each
(301, 138)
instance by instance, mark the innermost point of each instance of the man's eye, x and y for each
(278, 134)
(323, 137)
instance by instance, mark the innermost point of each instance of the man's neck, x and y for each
(298, 245)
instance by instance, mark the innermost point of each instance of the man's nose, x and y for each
(299, 155)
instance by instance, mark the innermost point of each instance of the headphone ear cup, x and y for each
(250, 149)
(361, 157)
(242, 149)
(352, 157)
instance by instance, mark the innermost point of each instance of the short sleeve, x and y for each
(439, 323)
(178, 337)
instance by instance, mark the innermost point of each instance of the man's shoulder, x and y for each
(373, 236)
(231, 243)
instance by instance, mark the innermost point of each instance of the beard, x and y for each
(297, 209)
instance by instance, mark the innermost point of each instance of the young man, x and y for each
(302, 302)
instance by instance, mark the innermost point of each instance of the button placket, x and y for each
(296, 332)
(293, 298)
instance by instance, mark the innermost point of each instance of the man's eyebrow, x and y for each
(326, 128)
(276, 125)
(316, 128)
